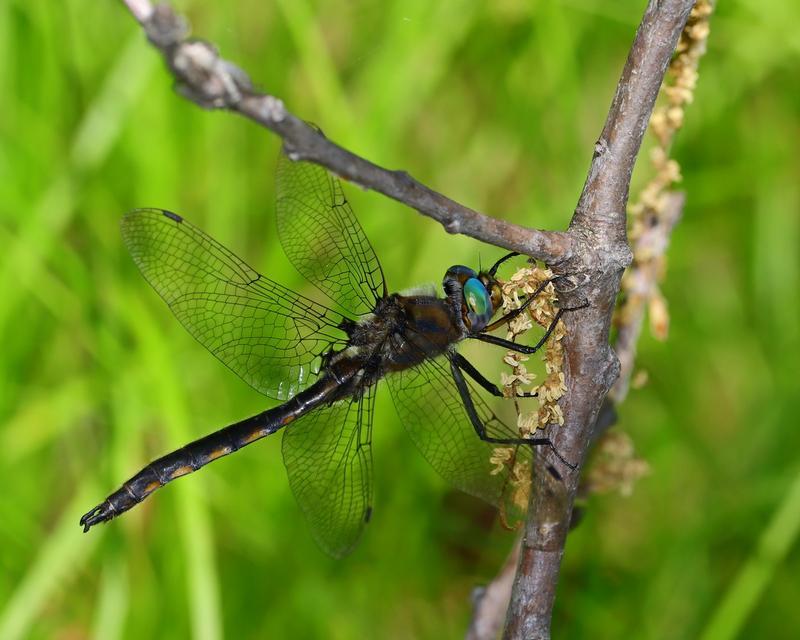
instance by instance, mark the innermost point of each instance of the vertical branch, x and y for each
(599, 230)
(212, 82)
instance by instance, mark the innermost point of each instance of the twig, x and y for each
(214, 83)
(491, 601)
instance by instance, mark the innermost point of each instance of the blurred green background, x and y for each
(496, 104)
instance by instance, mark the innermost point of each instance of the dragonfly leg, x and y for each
(467, 367)
(522, 348)
(480, 428)
(515, 312)
(497, 264)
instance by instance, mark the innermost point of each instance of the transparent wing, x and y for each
(433, 414)
(268, 335)
(328, 459)
(322, 237)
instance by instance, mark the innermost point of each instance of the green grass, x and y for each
(497, 105)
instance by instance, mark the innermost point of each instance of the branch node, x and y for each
(571, 282)
(272, 109)
(207, 79)
(164, 27)
(292, 152)
(452, 225)
(622, 255)
(601, 147)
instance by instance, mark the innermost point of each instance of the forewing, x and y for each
(433, 414)
(322, 237)
(267, 334)
(328, 458)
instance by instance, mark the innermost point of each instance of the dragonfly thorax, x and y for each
(403, 331)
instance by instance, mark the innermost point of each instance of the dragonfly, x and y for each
(323, 361)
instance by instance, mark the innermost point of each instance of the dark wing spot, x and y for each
(367, 514)
(172, 216)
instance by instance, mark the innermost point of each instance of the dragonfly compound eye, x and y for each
(479, 304)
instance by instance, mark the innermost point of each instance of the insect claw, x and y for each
(571, 280)
(582, 305)
(564, 461)
(95, 516)
(554, 472)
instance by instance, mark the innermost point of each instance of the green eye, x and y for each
(477, 297)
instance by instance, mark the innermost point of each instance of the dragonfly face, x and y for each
(324, 361)
(475, 296)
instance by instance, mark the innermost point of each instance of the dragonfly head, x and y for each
(475, 296)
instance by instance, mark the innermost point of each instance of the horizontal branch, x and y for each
(214, 83)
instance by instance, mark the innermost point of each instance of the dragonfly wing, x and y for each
(433, 414)
(265, 333)
(328, 459)
(322, 237)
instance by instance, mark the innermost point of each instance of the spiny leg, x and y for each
(467, 367)
(480, 428)
(521, 348)
(515, 312)
(497, 264)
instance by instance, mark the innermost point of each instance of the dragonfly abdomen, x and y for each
(199, 453)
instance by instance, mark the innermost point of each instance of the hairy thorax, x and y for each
(403, 331)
